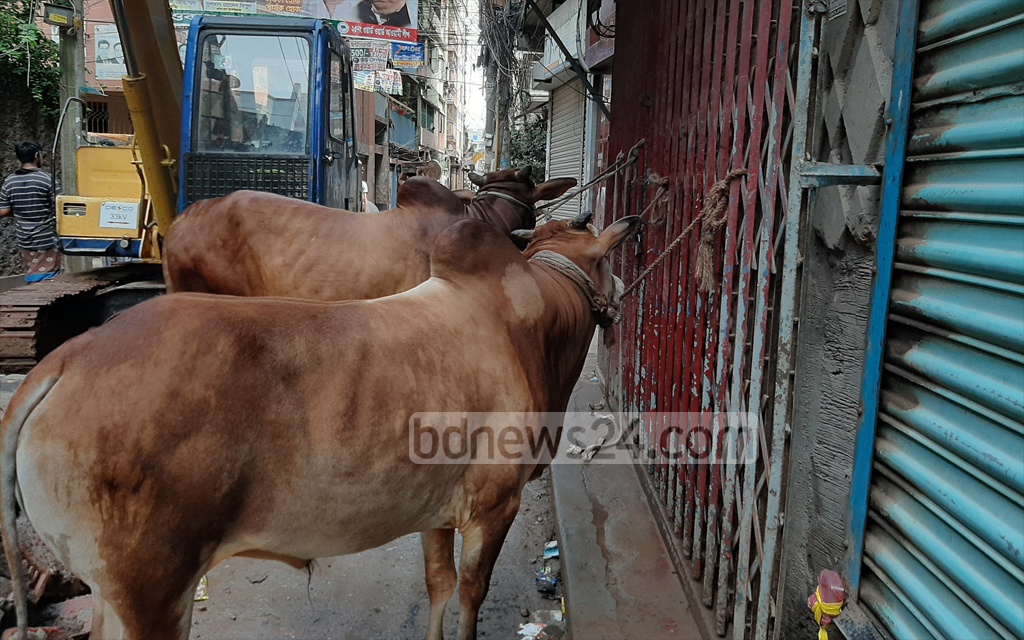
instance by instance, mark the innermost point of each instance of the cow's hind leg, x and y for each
(439, 562)
(106, 625)
(481, 544)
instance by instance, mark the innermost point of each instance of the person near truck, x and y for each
(27, 194)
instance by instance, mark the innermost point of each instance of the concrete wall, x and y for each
(854, 87)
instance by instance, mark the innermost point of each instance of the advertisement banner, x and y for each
(282, 7)
(363, 80)
(229, 7)
(388, 81)
(109, 59)
(406, 55)
(369, 55)
(395, 20)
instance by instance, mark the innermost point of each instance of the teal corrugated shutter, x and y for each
(945, 535)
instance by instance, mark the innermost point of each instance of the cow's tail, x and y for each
(13, 422)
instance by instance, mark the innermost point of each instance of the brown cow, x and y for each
(259, 244)
(194, 427)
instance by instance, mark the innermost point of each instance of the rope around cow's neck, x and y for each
(620, 165)
(712, 214)
(504, 196)
(605, 311)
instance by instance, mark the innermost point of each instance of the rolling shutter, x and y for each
(945, 535)
(565, 150)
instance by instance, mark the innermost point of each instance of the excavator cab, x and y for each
(268, 106)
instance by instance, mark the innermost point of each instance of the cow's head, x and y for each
(519, 183)
(577, 242)
(507, 198)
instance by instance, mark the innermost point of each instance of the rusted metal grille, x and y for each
(710, 86)
(215, 175)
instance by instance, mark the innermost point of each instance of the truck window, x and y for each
(253, 94)
(339, 106)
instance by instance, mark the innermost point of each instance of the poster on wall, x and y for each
(108, 55)
(395, 20)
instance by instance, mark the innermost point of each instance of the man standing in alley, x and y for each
(27, 194)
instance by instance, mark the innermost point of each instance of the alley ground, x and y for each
(378, 594)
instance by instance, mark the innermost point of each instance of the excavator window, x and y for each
(253, 94)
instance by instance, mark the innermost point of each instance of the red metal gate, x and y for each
(708, 84)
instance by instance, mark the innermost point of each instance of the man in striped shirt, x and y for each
(27, 194)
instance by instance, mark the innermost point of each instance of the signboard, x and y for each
(281, 7)
(407, 55)
(369, 55)
(119, 215)
(398, 20)
(108, 56)
(229, 7)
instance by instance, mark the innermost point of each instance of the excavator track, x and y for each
(37, 318)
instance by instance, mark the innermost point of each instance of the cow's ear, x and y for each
(617, 232)
(552, 188)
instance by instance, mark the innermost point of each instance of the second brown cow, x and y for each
(259, 244)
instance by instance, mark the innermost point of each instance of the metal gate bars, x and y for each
(713, 87)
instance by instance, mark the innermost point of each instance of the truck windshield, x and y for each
(253, 94)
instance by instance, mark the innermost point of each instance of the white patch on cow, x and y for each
(522, 290)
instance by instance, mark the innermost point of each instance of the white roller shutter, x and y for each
(565, 147)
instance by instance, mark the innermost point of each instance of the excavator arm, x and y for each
(153, 89)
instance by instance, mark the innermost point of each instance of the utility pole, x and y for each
(502, 136)
(72, 68)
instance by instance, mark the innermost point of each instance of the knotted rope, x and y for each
(712, 215)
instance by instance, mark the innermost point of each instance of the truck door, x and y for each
(342, 186)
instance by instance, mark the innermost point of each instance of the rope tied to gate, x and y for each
(716, 203)
(622, 162)
(713, 216)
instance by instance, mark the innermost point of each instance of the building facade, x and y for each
(855, 373)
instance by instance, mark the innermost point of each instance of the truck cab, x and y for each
(268, 105)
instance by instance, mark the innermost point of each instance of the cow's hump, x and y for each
(473, 249)
(423, 193)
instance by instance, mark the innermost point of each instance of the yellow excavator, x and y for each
(262, 103)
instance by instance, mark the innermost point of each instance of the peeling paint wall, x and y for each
(854, 86)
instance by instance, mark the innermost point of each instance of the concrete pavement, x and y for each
(619, 581)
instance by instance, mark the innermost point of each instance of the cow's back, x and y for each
(259, 244)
